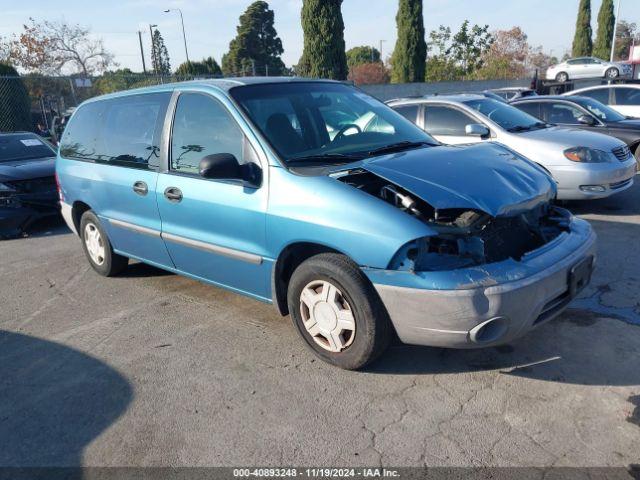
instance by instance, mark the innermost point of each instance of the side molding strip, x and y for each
(208, 247)
(135, 228)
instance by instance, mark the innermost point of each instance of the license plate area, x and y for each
(580, 276)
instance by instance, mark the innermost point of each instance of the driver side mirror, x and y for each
(225, 166)
(586, 120)
(476, 130)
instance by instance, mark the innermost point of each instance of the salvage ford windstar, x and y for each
(277, 189)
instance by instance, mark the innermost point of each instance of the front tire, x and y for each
(97, 247)
(562, 77)
(337, 311)
(612, 73)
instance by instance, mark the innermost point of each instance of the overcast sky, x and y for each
(210, 24)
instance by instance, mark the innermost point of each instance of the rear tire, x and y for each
(337, 311)
(97, 247)
(612, 73)
(562, 77)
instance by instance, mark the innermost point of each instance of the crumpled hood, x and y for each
(567, 137)
(27, 169)
(484, 177)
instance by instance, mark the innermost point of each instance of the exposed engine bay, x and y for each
(465, 237)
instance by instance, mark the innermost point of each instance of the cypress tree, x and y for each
(256, 47)
(606, 23)
(324, 54)
(582, 43)
(410, 52)
(15, 106)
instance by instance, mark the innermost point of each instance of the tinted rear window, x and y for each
(122, 131)
(23, 147)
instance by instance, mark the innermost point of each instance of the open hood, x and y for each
(485, 177)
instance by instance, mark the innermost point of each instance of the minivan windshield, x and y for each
(312, 123)
(23, 146)
(506, 116)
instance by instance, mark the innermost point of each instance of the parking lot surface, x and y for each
(153, 369)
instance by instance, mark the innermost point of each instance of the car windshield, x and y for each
(600, 110)
(23, 147)
(323, 123)
(506, 116)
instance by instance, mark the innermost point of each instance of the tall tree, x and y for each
(159, 55)
(507, 56)
(410, 52)
(15, 107)
(582, 43)
(256, 49)
(361, 55)
(324, 54)
(606, 23)
(626, 35)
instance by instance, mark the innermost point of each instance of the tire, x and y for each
(612, 73)
(97, 247)
(562, 77)
(354, 296)
(637, 155)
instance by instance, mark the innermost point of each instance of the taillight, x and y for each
(60, 194)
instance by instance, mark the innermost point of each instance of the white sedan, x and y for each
(587, 67)
(625, 98)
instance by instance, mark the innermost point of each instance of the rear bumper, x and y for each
(578, 182)
(492, 310)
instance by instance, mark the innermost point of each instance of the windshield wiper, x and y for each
(324, 158)
(398, 147)
(520, 128)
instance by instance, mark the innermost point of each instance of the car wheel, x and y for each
(337, 311)
(612, 73)
(562, 77)
(97, 247)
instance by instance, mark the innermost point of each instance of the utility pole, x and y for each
(253, 67)
(381, 57)
(615, 31)
(153, 50)
(144, 66)
(184, 35)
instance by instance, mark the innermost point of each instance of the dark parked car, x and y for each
(27, 182)
(584, 113)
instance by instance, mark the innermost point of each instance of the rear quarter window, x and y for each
(122, 131)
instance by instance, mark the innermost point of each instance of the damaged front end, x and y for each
(23, 202)
(464, 237)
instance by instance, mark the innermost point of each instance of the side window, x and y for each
(440, 120)
(562, 113)
(599, 94)
(627, 96)
(532, 108)
(122, 131)
(202, 126)
(410, 112)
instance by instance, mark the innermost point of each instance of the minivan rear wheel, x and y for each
(337, 311)
(97, 247)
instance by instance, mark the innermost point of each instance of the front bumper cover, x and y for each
(509, 300)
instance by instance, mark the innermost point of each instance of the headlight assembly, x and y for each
(587, 155)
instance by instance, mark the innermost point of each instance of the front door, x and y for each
(447, 124)
(213, 229)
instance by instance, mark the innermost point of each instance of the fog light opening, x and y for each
(490, 331)
(593, 188)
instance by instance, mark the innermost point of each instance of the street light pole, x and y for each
(184, 35)
(615, 31)
(381, 57)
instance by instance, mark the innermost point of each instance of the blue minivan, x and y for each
(320, 199)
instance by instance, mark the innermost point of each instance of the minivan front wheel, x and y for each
(337, 311)
(97, 247)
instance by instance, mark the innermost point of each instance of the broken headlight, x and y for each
(438, 253)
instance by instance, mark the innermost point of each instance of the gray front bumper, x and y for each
(454, 318)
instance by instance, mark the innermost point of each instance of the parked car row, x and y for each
(327, 203)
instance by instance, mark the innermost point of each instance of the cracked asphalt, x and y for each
(154, 369)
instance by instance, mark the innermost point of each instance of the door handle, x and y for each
(173, 194)
(140, 188)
